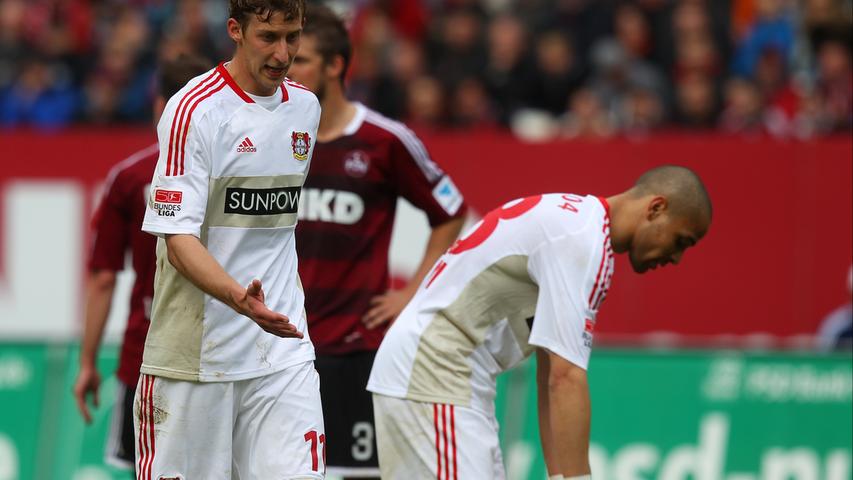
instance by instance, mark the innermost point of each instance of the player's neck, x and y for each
(337, 112)
(621, 226)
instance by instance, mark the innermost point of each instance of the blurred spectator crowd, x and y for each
(544, 68)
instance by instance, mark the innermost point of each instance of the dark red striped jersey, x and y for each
(117, 229)
(346, 215)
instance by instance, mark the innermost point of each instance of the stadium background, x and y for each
(711, 370)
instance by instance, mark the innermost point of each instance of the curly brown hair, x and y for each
(264, 9)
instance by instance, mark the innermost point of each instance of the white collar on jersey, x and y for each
(357, 119)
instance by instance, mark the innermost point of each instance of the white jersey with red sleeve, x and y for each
(230, 172)
(531, 274)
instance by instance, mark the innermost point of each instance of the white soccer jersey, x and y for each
(531, 273)
(230, 172)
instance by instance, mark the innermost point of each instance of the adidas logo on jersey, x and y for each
(247, 146)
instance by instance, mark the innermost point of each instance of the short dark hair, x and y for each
(331, 34)
(264, 9)
(684, 189)
(174, 74)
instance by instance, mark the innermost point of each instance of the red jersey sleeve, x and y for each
(421, 181)
(110, 229)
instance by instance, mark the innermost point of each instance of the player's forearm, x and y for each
(569, 415)
(543, 401)
(192, 260)
(99, 294)
(440, 239)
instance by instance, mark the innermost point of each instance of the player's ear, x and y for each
(335, 67)
(656, 207)
(235, 30)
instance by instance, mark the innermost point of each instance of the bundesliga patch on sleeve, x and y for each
(447, 195)
(168, 196)
(167, 202)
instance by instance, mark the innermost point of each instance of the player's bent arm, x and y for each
(192, 260)
(99, 294)
(99, 297)
(564, 414)
(386, 307)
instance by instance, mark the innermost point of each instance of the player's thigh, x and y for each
(427, 440)
(348, 413)
(278, 431)
(183, 429)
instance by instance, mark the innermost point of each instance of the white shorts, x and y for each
(418, 440)
(268, 427)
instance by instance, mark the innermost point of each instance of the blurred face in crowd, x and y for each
(407, 61)
(834, 61)
(742, 98)
(689, 18)
(696, 98)
(554, 54)
(506, 41)
(424, 101)
(663, 235)
(461, 30)
(265, 49)
(632, 30)
(309, 68)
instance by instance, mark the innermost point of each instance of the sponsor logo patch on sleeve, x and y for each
(447, 195)
(168, 196)
(167, 202)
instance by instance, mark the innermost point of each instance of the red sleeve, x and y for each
(110, 229)
(421, 181)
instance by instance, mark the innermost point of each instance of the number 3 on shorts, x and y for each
(312, 437)
(362, 448)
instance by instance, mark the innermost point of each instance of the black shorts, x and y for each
(120, 439)
(348, 414)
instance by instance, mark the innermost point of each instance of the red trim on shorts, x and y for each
(453, 437)
(139, 439)
(143, 446)
(444, 431)
(151, 425)
(437, 443)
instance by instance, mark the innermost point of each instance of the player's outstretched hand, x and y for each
(385, 308)
(272, 322)
(88, 381)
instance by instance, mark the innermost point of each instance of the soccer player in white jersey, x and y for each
(228, 388)
(530, 276)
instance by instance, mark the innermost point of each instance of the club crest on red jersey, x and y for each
(301, 143)
(356, 163)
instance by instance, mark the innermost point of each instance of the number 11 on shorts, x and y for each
(312, 437)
